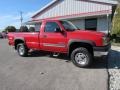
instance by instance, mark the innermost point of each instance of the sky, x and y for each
(10, 11)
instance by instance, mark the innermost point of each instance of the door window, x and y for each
(51, 26)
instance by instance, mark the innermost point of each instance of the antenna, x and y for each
(21, 17)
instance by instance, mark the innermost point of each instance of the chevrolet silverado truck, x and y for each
(61, 36)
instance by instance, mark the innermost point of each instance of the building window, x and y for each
(51, 26)
(91, 24)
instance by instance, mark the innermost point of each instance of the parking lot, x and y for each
(39, 71)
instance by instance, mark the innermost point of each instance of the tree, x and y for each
(10, 29)
(32, 29)
(24, 29)
(116, 22)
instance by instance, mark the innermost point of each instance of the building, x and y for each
(85, 14)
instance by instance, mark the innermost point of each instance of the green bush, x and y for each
(115, 38)
(10, 29)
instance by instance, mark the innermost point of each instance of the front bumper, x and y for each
(101, 51)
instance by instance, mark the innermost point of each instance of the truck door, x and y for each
(51, 40)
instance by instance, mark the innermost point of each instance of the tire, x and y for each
(22, 50)
(81, 57)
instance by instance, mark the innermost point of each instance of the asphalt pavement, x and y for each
(40, 71)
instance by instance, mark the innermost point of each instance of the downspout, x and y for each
(108, 24)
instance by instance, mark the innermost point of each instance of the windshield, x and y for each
(68, 25)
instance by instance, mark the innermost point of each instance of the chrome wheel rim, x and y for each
(81, 58)
(21, 50)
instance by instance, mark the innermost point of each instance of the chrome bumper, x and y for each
(101, 51)
(99, 54)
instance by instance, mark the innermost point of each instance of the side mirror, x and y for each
(57, 30)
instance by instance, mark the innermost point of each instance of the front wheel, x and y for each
(22, 50)
(81, 57)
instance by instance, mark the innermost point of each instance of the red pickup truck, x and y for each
(60, 36)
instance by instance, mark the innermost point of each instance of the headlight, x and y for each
(105, 40)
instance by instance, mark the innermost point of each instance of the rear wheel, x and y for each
(81, 57)
(22, 50)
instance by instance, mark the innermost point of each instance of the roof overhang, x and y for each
(75, 16)
(108, 2)
(48, 5)
(33, 22)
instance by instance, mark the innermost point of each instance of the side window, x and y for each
(37, 27)
(50, 26)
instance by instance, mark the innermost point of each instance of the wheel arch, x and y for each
(18, 41)
(80, 43)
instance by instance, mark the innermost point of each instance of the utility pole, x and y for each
(21, 17)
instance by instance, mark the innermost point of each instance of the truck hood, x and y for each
(85, 34)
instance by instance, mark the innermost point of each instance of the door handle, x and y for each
(45, 36)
